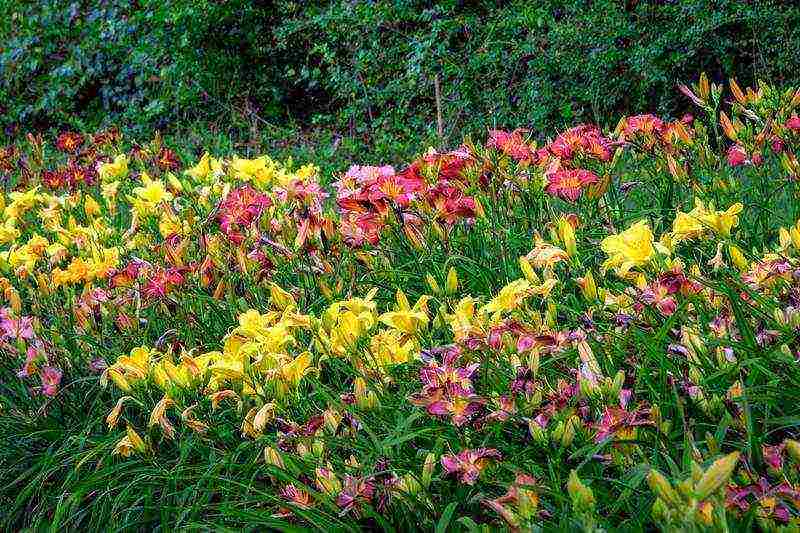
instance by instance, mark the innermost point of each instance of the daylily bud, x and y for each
(793, 449)
(527, 270)
(325, 289)
(663, 488)
(557, 432)
(712, 443)
(434, 286)
(219, 291)
(427, 469)
(677, 170)
(263, 416)
(716, 476)
(703, 87)
(794, 234)
(302, 449)
(318, 447)
(174, 182)
(451, 285)
(136, 441)
(589, 388)
(569, 431)
(273, 457)
(247, 424)
(327, 482)
(479, 209)
(619, 381)
(537, 432)
(566, 234)
(365, 398)
(581, 495)
(588, 286)
(241, 260)
(737, 92)
(737, 257)
(332, 419)
(413, 235)
(533, 362)
(785, 350)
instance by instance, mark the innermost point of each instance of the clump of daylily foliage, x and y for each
(595, 330)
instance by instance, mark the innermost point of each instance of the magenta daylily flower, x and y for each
(355, 491)
(512, 144)
(16, 328)
(460, 408)
(773, 455)
(736, 156)
(793, 123)
(584, 139)
(51, 378)
(447, 389)
(468, 465)
(772, 499)
(618, 421)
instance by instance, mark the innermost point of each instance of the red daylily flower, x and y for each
(569, 184)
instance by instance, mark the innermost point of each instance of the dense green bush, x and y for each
(366, 69)
(138, 63)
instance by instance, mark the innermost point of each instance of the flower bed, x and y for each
(598, 332)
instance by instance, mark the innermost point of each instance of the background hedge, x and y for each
(365, 70)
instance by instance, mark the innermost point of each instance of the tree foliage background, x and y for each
(365, 69)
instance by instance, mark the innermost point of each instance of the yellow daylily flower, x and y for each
(205, 169)
(461, 322)
(631, 248)
(509, 298)
(153, 192)
(408, 321)
(388, 347)
(115, 170)
(260, 171)
(8, 231)
(292, 372)
(21, 202)
(701, 219)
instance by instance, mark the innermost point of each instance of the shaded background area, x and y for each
(362, 73)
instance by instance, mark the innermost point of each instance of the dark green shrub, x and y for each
(366, 69)
(139, 63)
